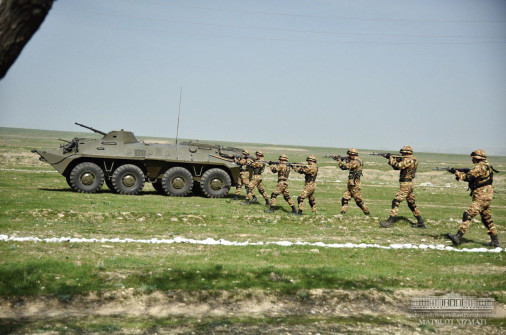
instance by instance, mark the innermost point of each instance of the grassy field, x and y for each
(185, 288)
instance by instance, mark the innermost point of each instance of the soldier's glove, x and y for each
(452, 170)
(337, 158)
(387, 156)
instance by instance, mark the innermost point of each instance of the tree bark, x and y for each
(19, 20)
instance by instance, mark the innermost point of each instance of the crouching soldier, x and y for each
(480, 179)
(310, 172)
(256, 180)
(407, 164)
(283, 171)
(354, 164)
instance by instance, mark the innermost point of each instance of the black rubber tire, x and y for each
(108, 182)
(128, 179)
(157, 185)
(67, 178)
(86, 177)
(215, 183)
(177, 182)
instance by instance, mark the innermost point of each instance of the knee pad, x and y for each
(360, 204)
(395, 203)
(486, 220)
(466, 217)
(344, 201)
(299, 200)
(273, 196)
(286, 197)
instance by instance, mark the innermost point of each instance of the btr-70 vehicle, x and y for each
(125, 164)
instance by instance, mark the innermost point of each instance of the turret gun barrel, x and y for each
(92, 129)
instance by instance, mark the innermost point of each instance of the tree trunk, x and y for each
(19, 20)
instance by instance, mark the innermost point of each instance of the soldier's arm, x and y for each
(342, 165)
(274, 168)
(475, 172)
(403, 164)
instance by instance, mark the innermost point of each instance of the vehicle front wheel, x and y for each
(215, 183)
(86, 177)
(128, 179)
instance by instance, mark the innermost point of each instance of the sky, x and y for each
(335, 73)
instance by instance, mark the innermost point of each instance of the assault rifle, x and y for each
(337, 158)
(386, 155)
(451, 170)
(287, 164)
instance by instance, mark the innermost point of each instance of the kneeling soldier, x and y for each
(354, 164)
(283, 171)
(256, 181)
(310, 171)
(407, 165)
(480, 179)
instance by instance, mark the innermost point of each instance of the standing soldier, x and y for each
(283, 171)
(243, 161)
(310, 171)
(354, 164)
(256, 181)
(480, 179)
(407, 164)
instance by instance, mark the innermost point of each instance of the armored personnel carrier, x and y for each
(125, 164)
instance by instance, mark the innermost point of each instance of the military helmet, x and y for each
(245, 152)
(311, 159)
(259, 153)
(406, 150)
(352, 151)
(283, 157)
(479, 154)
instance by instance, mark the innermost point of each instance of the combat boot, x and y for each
(388, 223)
(421, 223)
(343, 212)
(254, 199)
(267, 202)
(246, 202)
(367, 213)
(456, 239)
(270, 210)
(494, 241)
(294, 210)
(299, 212)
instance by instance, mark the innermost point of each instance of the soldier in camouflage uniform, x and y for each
(243, 161)
(256, 181)
(480, 179)
(407, 164)
(354, 164)
(283, 171)
(310, 171)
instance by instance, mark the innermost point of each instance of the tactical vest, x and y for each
(257, 169)
(486, 179)
(409, 173)
(311, 177)
(283, 172)
(355, 174)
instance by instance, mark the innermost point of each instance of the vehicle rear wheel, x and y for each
(177, 182)
(157, 185)
(86, 177)
(128, 179)
(215, 183)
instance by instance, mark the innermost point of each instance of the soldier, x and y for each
(283, 171)
(480, 179)
(407, 164)
(354, 164)
(310, 171)
(256, 181)
(243, 161)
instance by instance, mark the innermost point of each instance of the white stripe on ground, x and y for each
(211, 241)
(22, 170)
